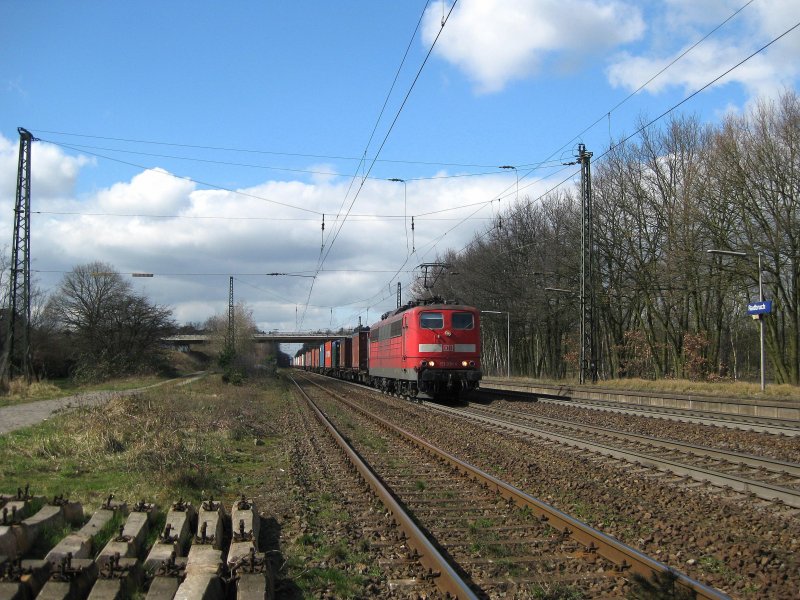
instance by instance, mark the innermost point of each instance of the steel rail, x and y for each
(773, 425)
(770, 425)
(770, 464)
(593, 540)
(447, 579)
(740, 484)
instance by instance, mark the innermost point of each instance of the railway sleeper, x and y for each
(252, 575)
(131, 535)
(16, 537)
(119, 577)
(22, 579)
(70, 578)
(175, 536)
(250, 569)
(80, 543)
(204, 571)
(211, 524)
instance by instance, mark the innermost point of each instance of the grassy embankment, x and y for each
(177, 364)
(727, 389)
(196, 441)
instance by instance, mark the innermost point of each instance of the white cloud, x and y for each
(683, 22)
(208, 235)
(53, 174)
(497, 41)
(152, 192)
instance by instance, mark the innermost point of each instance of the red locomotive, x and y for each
(426, 351)
(429, 351)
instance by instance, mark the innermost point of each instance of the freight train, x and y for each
(421, 351)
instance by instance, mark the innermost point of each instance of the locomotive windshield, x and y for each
(431, 320)
(462, 320)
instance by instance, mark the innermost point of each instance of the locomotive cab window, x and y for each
(431, 320)
(463, 320)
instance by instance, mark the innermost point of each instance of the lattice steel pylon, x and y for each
(588, 356)
(17, 351)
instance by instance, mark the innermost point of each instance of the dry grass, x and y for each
(19, 388)
(158, 443)
(730, 389)
(720, 389)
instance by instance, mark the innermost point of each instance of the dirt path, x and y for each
(18, 416)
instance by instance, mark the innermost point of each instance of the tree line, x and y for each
(666, 307)
(94, 326)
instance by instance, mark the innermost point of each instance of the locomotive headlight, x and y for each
(464, 363)
(431, 363)
(472, 363)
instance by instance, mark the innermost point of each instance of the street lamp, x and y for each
(405, 205)
(760, 298)
(515, 172)
(508, 335)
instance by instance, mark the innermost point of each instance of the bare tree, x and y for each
(112, 330)
(763, 160)
(245, 355)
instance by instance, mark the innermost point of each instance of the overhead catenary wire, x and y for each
(92, 150)
(205, 183)
(673, 108)
(365, 217)
(378, 152)
(385, 104)
(666, 112)
(608, 113)
(638, 131)
(389, 130)
(266, 152)
(534, 166)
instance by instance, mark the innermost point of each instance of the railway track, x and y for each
(764, 424)
(500, 541)
(765, 478)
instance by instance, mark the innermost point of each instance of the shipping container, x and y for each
(325, 358)
(315, 358)
(335, 351)
(360, 350)
(346, 354)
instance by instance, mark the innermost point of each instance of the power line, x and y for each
(265, 152)
(535, 166)
(197, 181)
(661, 116)
(666, 112)
(228, 273)
(88, 149)
(360, 217)
(378, 152)
(656, 76)
(693, 94)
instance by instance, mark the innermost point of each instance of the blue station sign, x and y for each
(762, 307)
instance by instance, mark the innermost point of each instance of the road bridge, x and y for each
(283, 337)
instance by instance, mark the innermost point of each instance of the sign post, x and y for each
(756, 309)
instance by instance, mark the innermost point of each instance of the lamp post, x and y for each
(516, 173)
(761, 299)
(508, 335)
(405, 205)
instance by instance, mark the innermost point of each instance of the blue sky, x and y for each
(262, 109)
